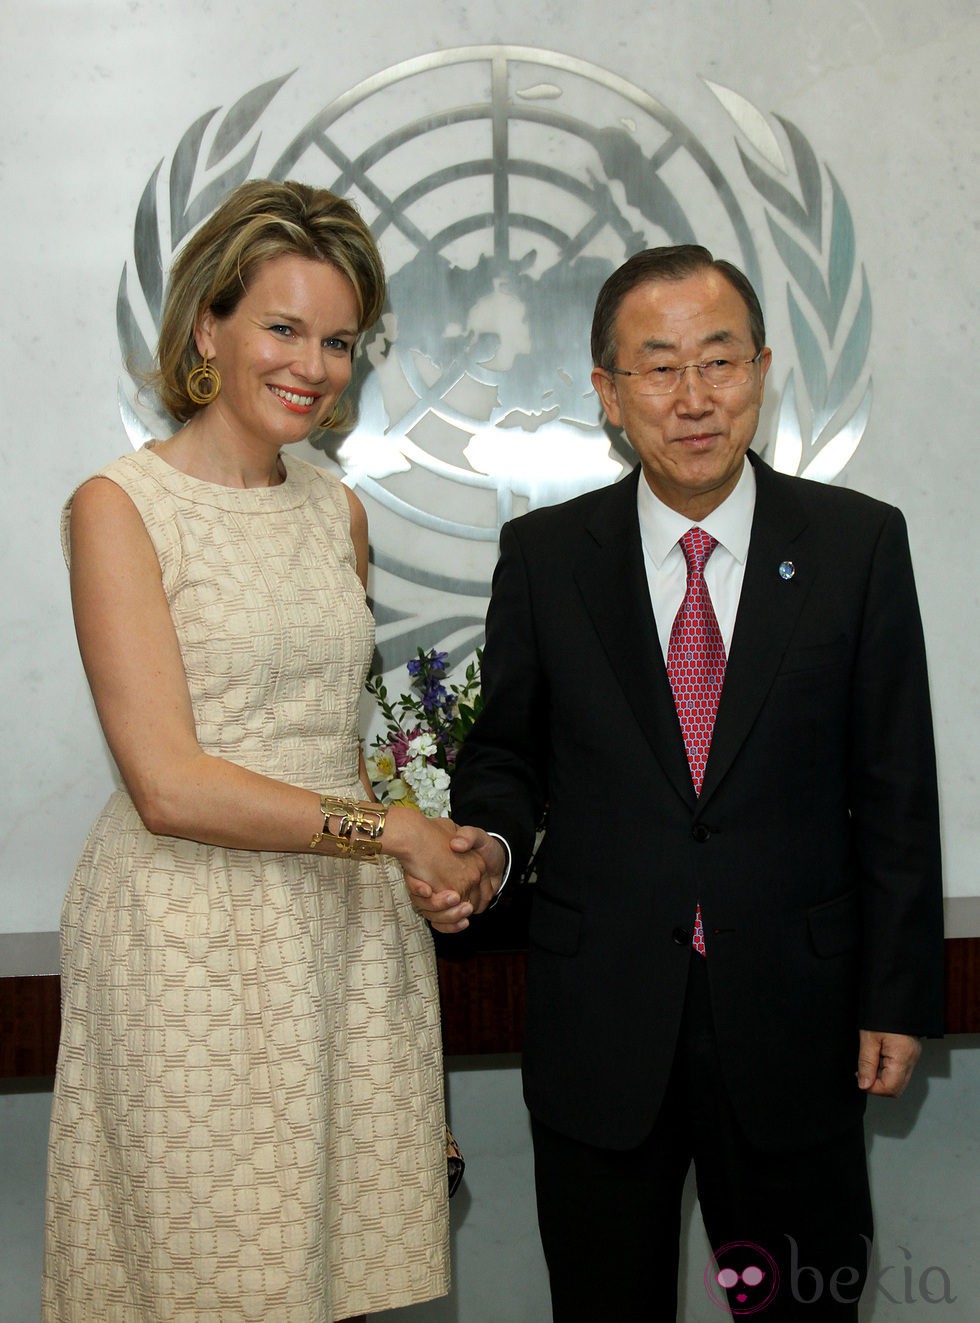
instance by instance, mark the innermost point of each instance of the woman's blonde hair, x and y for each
(258, 221)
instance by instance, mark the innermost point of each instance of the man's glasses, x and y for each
(718, 373)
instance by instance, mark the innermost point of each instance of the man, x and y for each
(733, 739)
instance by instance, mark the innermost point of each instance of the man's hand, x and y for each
(886, 1062)
(449, 911)
(430, 854)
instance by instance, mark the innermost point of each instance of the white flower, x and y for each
(382, 766)
(430, 786)
(422, 746)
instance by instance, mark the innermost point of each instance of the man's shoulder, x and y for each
(570, 517)
(820, 500)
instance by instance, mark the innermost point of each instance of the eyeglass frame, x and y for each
(682, 368)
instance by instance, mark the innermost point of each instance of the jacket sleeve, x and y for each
(500, 781)
(894, 802)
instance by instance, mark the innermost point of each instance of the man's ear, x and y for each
(605, 386)
(764, 362)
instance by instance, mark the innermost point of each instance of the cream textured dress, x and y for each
(248, 1112)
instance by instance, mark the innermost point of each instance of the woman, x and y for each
(248, 1118)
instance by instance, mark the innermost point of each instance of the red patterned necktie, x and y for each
(696, 668)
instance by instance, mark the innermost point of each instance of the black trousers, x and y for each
(791, 1233)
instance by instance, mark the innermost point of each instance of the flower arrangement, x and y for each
(412, 763)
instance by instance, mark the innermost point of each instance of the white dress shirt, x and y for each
(661, 530)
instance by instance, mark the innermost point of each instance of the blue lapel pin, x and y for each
(786, 569)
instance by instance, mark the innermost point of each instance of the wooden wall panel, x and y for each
(963, 985)
(482, 995)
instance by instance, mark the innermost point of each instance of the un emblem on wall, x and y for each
(503, 185)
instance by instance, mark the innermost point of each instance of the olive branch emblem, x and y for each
(830, 333)
(190, 202)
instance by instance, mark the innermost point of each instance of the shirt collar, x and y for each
(661, 528)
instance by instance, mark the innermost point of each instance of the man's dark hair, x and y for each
(675, 263)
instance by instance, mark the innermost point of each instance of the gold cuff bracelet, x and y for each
(361, 827)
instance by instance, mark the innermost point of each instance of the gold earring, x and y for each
(203, 382)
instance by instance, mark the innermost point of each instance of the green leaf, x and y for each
(810, 356)
(840, 267)
(804, 271)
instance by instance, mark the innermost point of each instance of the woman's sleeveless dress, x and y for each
(248, 1111)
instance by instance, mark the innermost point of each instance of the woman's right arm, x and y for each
(132, 660)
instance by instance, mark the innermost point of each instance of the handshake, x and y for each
(452, 872)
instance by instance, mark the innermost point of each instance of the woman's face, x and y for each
(285, 353)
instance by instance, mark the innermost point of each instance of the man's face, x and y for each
(690, 443)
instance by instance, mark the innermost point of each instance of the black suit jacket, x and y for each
(813, 848)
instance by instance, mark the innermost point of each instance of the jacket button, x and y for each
(701, 833)
(681, 936)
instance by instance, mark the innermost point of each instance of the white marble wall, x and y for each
(97, 92)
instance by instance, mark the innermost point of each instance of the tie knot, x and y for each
(697, 546)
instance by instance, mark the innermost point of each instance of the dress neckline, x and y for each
(287, 495)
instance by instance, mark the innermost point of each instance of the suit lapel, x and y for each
(768, 609)
(612, 581)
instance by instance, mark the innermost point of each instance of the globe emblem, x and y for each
(503, 184)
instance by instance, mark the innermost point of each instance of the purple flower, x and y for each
(434, 697)
(399, 746)
(429, 665)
